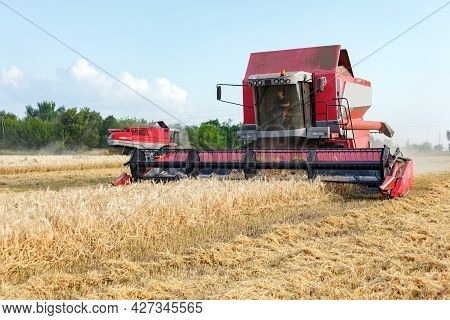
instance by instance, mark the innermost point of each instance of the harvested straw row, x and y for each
(45, 163)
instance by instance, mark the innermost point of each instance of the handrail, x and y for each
(322, 113)
(349, 117)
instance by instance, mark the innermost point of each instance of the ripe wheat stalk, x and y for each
(11, 164)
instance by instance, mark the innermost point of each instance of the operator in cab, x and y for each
(283, 110)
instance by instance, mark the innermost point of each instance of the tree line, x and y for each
(79, 129)
(73, 129)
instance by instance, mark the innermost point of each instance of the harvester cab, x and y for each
(312, 100)
(303, 109)
(283, 110)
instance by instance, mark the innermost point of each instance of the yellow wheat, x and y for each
(23, 164)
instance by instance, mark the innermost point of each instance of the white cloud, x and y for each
(140, 85)
(81, 84)
(82, 70)
(85, 75)
(12, 76)
(171, 91)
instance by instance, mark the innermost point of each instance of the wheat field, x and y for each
(15, 164)
(217, 239)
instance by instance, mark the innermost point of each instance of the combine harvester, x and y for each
(130, 140)
(153, 136)
(303, 110)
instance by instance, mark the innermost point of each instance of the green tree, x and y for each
(45, 110)
(229, 132)
(90, 122)
(226, 131)
(7, 115)
(7, 121)
(209, 137)
(78, 129)
(192, 136)
(108, 123)
(33, 133)
(129, 122)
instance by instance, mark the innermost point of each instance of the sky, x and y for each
(175, 52)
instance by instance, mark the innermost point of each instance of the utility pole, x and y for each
(2, 120)
(448, 139)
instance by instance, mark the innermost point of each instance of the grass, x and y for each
(209, 239)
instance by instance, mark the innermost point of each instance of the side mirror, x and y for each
(219, 92)
(321, 83)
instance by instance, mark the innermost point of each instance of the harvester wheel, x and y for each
(137, 172)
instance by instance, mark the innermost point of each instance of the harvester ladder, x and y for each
(347, 119)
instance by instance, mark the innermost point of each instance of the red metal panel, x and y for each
(249, 110)
(121, 135)
(221, 156)
(361, 138)
(123, 180)
(143, 135)
(173, 157)
(400, 180)
(313, 60)
(325, 105)
(358, 112)
(328, 155)
(323, 60)
(404, 180)
(281, 156)
(355, 155)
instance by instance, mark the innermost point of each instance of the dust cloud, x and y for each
(430, 162)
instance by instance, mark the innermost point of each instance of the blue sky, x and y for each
(175, 52)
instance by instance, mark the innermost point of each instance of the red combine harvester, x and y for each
(155, 135)
(303, 110)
